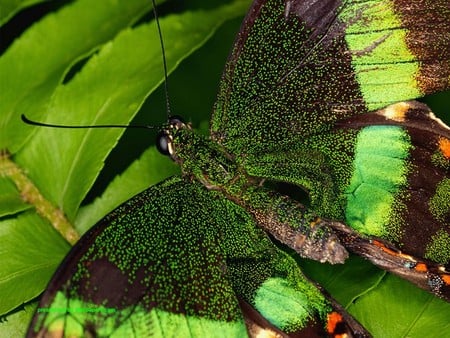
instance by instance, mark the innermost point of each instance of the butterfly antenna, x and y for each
(50, 125)
(163, 52)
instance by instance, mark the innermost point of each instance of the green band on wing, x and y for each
(439, 204)
(380, 170)
(379, 50)
(282, 305)
(177, 325)
(438, 249)
(156, 323)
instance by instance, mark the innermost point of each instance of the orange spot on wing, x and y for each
(333, 319)
(377, 243)
(444, 146)
(385, 248)
(421, 267)
(446, 279)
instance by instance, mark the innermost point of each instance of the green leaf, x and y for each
(121, 76)
(8, 8)
(398, 309)
(36, 62)
(339, 279)
(386, 305)
(10, 200)
(30, 252)
(13, 325)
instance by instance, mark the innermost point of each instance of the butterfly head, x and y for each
(165, 138)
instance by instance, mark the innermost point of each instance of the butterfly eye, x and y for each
(177, 122)
(164, 143)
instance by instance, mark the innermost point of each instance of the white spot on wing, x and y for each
(395, 112)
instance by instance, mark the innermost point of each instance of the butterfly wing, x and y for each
(178, 260)
(402, 179)
(154, 266)
(302, 102)
(302, 65)
(305, 67)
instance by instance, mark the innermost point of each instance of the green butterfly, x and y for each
(308, 97)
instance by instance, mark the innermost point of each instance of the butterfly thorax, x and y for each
(203, 160)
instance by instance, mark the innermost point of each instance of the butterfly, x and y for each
(229, 265)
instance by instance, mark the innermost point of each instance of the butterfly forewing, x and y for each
(307, 64)
(154, 266)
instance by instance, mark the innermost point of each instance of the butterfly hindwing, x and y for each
(426, 274)
(406, 139)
